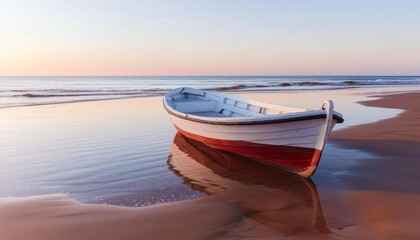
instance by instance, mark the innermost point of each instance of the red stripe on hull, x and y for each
(296, 159)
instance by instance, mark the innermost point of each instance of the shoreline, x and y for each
(234, 209)
(391, 139)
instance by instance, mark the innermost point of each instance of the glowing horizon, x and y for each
(180, 38)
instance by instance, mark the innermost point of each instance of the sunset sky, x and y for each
(211, 37)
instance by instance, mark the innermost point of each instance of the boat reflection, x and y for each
(276, 199)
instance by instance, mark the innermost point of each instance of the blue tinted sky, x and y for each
(209, 37)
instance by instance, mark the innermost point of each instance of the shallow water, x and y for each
(116, 151)
(345, 102)
(111, 152)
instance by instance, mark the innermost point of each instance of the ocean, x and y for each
(38, 90)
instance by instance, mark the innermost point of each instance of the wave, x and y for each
(240, 86)
(15, 93)
(88, 93)
(56, 93)
(363, 82)
(311, 83)
(31, 95)
(379, 82)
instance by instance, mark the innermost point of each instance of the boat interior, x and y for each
(219, 105)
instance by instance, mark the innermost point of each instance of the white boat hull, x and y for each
(294, 146)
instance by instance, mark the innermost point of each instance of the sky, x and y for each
(209, 37)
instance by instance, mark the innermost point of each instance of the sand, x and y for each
(262, 204)
(56, 217)
(404, 128)
(395, 140)
(393, 212)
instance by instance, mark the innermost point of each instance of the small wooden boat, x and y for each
(290, 138)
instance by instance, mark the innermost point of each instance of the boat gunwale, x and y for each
(251, 121)
(268, 119)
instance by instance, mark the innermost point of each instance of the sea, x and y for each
(39, 90)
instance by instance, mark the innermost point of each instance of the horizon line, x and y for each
(228, 75)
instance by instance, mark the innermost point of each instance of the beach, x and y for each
(209, 120)
(117, 169)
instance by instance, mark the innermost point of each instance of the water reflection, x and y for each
(276, 199)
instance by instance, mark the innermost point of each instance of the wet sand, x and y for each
(247, 200)
(395, 140)
(57, 217)
(388, 205)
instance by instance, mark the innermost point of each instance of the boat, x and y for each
(290, 138)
